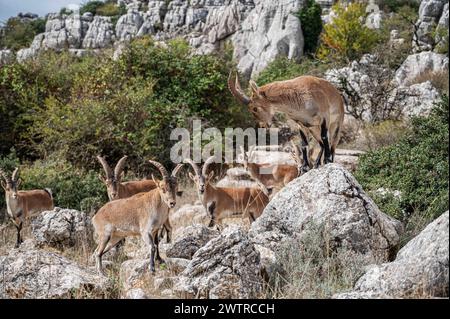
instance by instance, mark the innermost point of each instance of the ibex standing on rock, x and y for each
(222, 202)
(277, 175)
(140, 215)
(114, 186)
(21, 205)
(313, 103)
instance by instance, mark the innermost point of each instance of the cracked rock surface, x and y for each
(420, 269)
(61, 227)
(330, 198)
(226, 267)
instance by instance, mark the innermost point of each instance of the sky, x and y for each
(10, 8)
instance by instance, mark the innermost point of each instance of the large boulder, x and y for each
(61, 227)
(129, 25)
(420, 63)
(420, 269)
(188, 215)
(270, 30)
(29, 272)
(228, 266)
(100, 34)
(189, 240)
(329, 198)
(419, 99)
(430, 13)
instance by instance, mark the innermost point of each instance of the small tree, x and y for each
(311, 20)
(346, 38)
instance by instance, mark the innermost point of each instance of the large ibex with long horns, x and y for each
(21, 205)
(313, 103)
(113, 180)
(222, 202)
(142, 215)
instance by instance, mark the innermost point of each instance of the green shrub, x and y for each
(19, 33)
(346, 38)
(417, 165)
(283, 68)
(91, 6)
(107, 8)
(311, 20)
(395, 5)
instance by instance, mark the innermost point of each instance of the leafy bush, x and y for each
(82, 107)
(20, 33)
(417, 166)
(311, 19)
(91, 6)
(283, 68)
(396, 5)
(107, 8)
(346, 38)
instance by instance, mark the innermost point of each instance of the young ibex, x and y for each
(222, 202)
(22, 205)
(142, 215)
(114, 186)
(272, 176)
(313, 103)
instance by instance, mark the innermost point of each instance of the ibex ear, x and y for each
(254, 87)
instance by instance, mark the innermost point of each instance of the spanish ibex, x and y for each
(22, 205)
(142, 215)
(222, 202)
(313, 103)
(114, 186)
(272, 176)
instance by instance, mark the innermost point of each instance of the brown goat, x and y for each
(142, 215)
(115, 187)
(222, 202)
(272, 176)
(22, 205)
(313, 103)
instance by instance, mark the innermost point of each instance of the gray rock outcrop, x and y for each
(430, 13)
(331, 198)
(260, 30)
(420, 269)
(226, 267)
(189, 240)
(61, 227)
(29, 272)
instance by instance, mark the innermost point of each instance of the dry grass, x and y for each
(312, 269)
(438, 79)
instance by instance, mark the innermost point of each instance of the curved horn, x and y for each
(244, 155)
(5, 177)
(106, 168)
(176, 170)
(15, 175)
(235, 89)
(161, 169)
(207, 163)
(295, 153)
(119, 167)
(194, 166)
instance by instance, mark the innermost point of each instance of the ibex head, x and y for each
(247, 157)
(112, 178)
(201, 178)
(168, 186)
(257, 104)
(11, 185)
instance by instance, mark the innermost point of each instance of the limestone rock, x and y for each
(226, 267)
(420, 269)
(331, 198)
(189, 240)
(420, 63)
(36, 273)
(61, 227)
